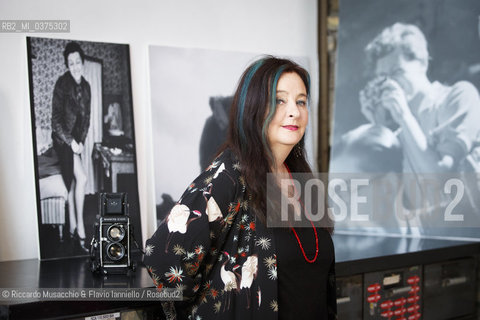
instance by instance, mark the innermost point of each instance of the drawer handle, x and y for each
(343, 300)
(401, 290)
(454, 281)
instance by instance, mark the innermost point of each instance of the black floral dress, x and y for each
(212, 247)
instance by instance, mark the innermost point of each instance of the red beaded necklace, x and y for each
(313, 227)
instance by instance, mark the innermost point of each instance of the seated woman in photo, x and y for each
(70, 124)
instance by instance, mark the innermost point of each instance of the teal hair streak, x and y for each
(243, 95)
(308, 85)
(273, 107)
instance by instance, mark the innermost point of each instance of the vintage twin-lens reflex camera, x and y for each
(110, 249)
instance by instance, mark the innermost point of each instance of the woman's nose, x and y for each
(292, 110)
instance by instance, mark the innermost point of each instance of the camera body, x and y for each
(111, 245)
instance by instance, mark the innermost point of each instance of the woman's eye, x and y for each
(302, 103)
(280, 101)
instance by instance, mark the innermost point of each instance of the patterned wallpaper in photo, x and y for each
(49, 52)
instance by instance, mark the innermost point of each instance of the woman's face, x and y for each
(291, 116)
(75, 66)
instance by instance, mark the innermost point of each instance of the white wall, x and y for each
(283, 27)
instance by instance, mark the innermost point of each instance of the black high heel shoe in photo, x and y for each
(80, 242)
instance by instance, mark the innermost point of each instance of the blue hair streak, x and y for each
(243, 95)
(273, 106)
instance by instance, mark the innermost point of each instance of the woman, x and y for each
(215, 246)
(70, 124)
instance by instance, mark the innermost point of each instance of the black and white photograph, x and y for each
(407, 105)
(191, 93)
(83, 138)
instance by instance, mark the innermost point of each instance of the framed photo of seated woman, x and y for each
(83, 136)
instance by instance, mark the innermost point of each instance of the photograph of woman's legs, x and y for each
(76, 199)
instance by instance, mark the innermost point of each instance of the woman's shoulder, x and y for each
(223, 172)
(228, 158)
(221, 180)
(65, 81)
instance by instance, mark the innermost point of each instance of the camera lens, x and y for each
(115, 251)
(116, 232)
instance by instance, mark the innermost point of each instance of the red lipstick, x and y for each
(291, 128)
